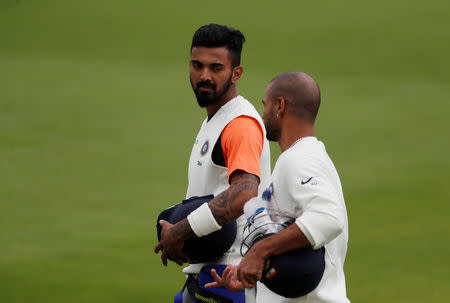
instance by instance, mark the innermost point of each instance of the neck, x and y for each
(230, 95)
(294, 131)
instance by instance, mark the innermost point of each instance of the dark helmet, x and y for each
(203, 249)
(292, 274)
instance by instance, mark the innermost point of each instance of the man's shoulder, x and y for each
(306, 153)
(240, 105)
(241, 130)
(244, 122)
(309, 147)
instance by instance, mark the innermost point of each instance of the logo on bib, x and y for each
(204, 148)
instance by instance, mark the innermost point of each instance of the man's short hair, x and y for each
(301, 92)
(215, 35)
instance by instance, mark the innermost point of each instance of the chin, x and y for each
(205, 102)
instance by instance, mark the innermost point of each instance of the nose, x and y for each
(205, 75)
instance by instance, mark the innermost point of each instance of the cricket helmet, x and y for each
(292, 274)
(202, 249)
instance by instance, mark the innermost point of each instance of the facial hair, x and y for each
(204, 99)
(272, 131)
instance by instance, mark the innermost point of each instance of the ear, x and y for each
(237, 73)
(280, 107)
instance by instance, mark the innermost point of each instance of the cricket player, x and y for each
(305, 184)
(230, 158)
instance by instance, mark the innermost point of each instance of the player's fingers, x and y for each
(240, 276)
(185, 257)
(158, 247)
(212, 285)
(164, 258)
(248, 283)
(258, 276)
(252, 280)
(229, 270)
(227, 274)
(179, 262)
(216, 276)
(245, 284)
(248, 280)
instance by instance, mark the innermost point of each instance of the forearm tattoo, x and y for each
(227, 206)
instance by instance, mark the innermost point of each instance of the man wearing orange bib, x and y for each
(230, 158)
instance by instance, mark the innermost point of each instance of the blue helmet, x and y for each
(203, 249)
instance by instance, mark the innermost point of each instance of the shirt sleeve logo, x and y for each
(204, 148)
(314, 182)
(304, 182)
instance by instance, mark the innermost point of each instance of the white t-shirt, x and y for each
(305, 183)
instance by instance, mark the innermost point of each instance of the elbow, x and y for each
(335, 230)
(320, 228)
(243, 187)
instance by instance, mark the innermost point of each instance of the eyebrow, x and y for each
(212, 64)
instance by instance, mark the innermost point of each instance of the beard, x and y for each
(206, 98)
(273, 132)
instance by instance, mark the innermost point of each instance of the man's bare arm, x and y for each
(229, 205)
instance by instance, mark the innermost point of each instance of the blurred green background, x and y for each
(97, 119)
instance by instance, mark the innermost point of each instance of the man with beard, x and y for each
(306, 186)
(230, 158)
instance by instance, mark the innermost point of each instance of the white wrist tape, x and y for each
(202, 221)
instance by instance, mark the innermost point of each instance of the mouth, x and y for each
(205, 88)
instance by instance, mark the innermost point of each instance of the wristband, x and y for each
(202, 221)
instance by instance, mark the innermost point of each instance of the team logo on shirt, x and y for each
(204, 148)
(267, 194)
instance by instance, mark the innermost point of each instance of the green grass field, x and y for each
(97, 119)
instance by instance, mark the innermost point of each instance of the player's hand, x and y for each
(228, 280)
(170, 245)
(250, 269)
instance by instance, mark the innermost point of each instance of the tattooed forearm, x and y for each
(229, 204)
(218, 207)
(248, 187)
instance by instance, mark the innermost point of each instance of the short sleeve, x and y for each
(242, 144)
